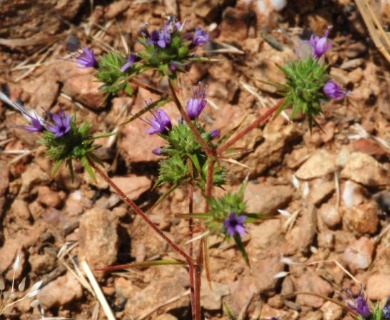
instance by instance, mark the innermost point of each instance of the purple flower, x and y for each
(61, 124)
(161, 39)
(320, 45)
(386, 310)
(359, 304)
(161, 123)
(235, 224)
(200, 37)
(215, 133)
(157, 151)
(132, 58)
(164, 39)
(197, 103)
(333, 90)
(87, 59)
(36, 124)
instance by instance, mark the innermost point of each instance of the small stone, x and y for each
(98, 235)
(81, 85)
(133, 186)
(266, 268)
(167, 287)
(330, 215)
(364, 169)
(331, 311)
(60, 292)
(211, 295)
(321, 190)
(362, 219)
(352, 64)
(359, 254)
(318, 165)
(76, 202)
(355, 50)
(267, 199)
(353, 194)
(311, 282)
(116, 8)
(378, 286)
(276, 302)
(31, 177)
(20, 209)
(265, 235)
(312, 315)
(356, 75)
(48, 197)
(369, 147)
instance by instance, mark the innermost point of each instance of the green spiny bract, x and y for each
(304, 87)
(186, 161)
(110, 73)
(77, 144)
(221, 208)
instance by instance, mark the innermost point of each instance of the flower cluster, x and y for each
(182, 145)
(64, 140)
(308, 82)
(168, 50)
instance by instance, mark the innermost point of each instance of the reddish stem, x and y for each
(210, 181)
(191, 248)
(126, 199)
(248, 129)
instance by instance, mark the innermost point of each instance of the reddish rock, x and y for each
(369, 147)
(364, 169)
(81, 85)
(362, 219)
(311, 282)
(359, 254)
(330, 215)
(378, 286)
(267, 199)
(133, 186)
(48, 197)
(265, 235)
(321, 163)
(98, 237)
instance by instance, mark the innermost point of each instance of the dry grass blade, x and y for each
(99, 294)
(375, 29)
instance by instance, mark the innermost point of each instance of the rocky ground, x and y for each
(327, 191)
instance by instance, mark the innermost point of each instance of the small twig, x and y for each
(99, 294)
(125, 198)
(248, 129)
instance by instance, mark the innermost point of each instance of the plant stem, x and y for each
(209, 151)
(191, 248)
(248, 129)
(126, 199)
(210, 181)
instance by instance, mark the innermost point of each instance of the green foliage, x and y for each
(176, 54)
(77, 144)
(304, 87)
(109, 72)
(221, 208)
(377, 314)
(186, 161)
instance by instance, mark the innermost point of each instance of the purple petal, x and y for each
(241, 219)
(240, 230)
